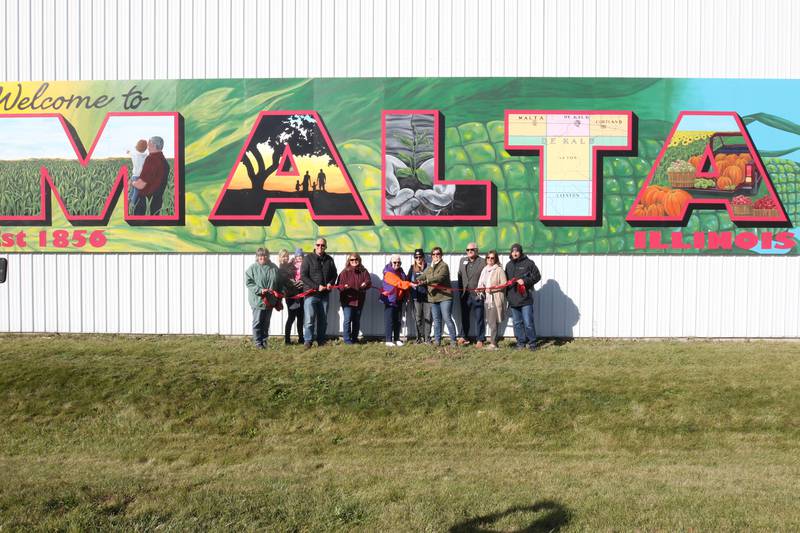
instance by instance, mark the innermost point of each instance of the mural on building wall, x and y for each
(565, 166)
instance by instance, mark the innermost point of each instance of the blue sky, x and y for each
(43, 137)
(776, 97)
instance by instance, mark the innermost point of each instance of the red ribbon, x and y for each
(482, 289)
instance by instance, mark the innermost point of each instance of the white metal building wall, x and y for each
(582, 296)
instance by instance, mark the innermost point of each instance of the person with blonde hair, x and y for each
(494, 299)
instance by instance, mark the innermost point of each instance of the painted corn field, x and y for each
(82, 189)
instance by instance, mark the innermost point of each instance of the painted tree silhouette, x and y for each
(300, 132)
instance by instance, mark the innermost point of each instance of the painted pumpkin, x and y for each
(735, 173)
(640, 210)
(654, 194)
(675, 201)
(655, 210)
(725, 182)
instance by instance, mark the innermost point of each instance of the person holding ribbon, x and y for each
(353, 281)
(294, 303)
(419, 298)
(520, 295)
(263, 283)
(395, 285)
(440, 295)
(319, 275)
(473, 327)
(492, 290)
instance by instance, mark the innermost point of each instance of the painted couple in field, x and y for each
(149, 176)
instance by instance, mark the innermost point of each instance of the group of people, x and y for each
(486, 288)
(149, 177)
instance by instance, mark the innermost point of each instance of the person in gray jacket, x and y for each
(473, 326)
(262, 281)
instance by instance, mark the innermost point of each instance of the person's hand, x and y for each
(321, 288)
(520, 282)
(414, 285)
(346, 286)
(363, 284)
(263, 292)
(328, 286)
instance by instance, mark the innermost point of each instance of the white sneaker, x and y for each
(390, 344)
(399, 343)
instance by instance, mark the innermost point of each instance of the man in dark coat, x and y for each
(473, 324)
(520, 295)
(318, 273)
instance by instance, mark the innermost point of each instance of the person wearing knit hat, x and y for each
(523, 272)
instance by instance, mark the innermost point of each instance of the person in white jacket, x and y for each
(494, 299)
(138, 155)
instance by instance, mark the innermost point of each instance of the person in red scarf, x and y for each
(395, 285)
(354, 281)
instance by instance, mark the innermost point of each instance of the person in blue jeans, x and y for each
(263, 282)
(318, 273)
(353, 281)
(524, 273)
(440, 295)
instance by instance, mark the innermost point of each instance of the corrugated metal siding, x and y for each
(605, 296)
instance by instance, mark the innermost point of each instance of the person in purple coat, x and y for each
(395, 285)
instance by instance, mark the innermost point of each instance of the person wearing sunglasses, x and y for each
(395, 285)
(520, 296)
(473, 327)
(440, 297)
(354, 281)
(419, 298)
(494, 300)
(318, 274)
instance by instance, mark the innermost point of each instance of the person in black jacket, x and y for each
(520, 296)
(318, 273)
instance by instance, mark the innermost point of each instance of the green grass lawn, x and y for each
(185, 433)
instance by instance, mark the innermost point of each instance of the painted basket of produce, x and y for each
(742, 206)
(765, 207)
(681, 174)
(766, 213)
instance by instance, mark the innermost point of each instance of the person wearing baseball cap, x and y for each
(525, 274)
(419, 298)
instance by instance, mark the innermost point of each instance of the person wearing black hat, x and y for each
(419, 298)
(520, 295)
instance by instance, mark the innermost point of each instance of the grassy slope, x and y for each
(205, 432)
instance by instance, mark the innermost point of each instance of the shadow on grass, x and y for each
(544, 342)
(550, 516)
